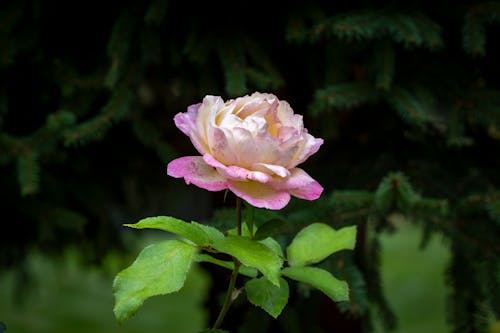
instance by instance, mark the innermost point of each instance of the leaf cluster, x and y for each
(162, 268)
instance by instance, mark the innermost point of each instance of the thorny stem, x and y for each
(229, 294)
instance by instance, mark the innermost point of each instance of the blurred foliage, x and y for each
(406, 96)
(65, 295)
(414, 278)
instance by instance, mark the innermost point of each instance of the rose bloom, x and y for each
(250, 145)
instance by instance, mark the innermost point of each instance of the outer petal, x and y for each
(297, 149)
(235, 172)
(260, 195)
(300, 185)
(186, 122)
(311, 146)
(195, 171)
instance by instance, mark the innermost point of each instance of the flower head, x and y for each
(250, 145)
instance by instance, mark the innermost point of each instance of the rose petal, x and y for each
(274, 169)
(195, 171)
(253, 148)
(218, 140)
(299, 184)
(186, 122)
(297, 149)
(210, 160)
(260, 195)
(311, 146)
(235, 172)
(289, 119)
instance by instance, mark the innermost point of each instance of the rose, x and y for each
(250, 145)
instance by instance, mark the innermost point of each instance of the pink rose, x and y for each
(250, 145)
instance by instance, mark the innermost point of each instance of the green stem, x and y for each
(238, 215)
(250, 220)
(230, 289)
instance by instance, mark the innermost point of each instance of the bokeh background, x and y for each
(405, 94)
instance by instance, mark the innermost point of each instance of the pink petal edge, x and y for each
(260, 195)
(195, 171)
(300, 185)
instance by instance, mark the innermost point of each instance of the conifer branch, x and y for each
(348, 200)
(155, 14)
(261, 72)
(150, 136)
(234, 66)
(343, 95)
(116, 108)
(414, 29)
(408, 107)
(474, 28)
(28, 170)
(384, 64)
(118, 50)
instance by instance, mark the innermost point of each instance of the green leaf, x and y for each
(245, 231)
(252, 253)
(269, 228)
(320, 279)
(159, 269)
(214, 330)
(262, 293)
(190, 231)
(317, 241)
(244, 270)
(273, 245)
(212, 233)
